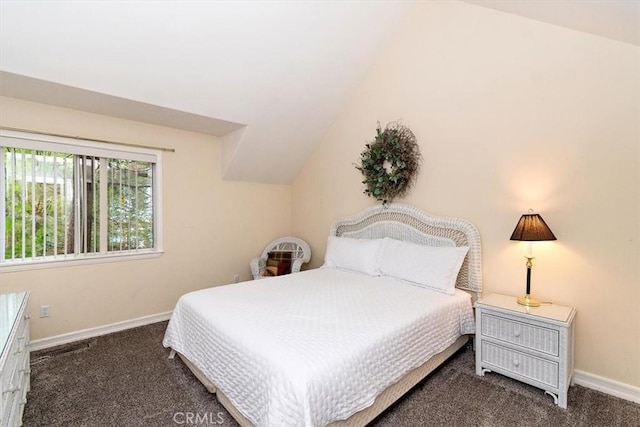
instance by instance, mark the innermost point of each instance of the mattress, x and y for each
(313, 347)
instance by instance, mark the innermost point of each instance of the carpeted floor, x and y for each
(125, 379)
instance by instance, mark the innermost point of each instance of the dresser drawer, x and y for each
(525, 335)
(15, 377)
(9, 401)
(535, 368)
(15, 352)
(14, 366)
(16, 398)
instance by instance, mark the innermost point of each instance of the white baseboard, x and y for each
(585, 379)
(97, 331)
(606, 385)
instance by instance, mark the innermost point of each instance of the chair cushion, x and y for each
(278, 263)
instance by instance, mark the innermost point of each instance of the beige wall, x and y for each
(211, 228)
(510, 114)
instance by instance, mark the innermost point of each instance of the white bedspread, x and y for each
(313, 347)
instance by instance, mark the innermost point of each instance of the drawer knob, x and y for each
(516, 333)
(516, 363)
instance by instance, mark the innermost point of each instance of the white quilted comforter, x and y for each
(313, 347)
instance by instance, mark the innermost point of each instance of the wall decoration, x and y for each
(390, 163)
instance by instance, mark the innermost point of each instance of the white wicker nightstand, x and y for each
(530, 344)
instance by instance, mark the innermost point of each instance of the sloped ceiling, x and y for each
(267, 77)
(614, 19)
(278, 72)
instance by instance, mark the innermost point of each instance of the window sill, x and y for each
(61, 263)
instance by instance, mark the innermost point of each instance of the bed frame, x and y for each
(407, 223)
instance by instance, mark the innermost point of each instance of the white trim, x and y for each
(585, 379)
(79, 146)
(606, 385)
(158, 209)
(60, 261)
(97, 331)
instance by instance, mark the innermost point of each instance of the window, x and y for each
(66, 199)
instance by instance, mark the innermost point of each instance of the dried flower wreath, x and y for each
(390, 163)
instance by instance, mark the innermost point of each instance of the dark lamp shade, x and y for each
(532, 228)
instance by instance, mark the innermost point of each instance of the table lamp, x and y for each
(531, 228)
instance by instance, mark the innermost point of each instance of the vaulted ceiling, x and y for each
(268, 78)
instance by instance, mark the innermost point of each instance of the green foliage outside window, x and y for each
(52, 204)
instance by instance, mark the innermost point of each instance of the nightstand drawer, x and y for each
(529, 336)
(543, 371)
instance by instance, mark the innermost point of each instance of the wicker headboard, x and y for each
(408, 223)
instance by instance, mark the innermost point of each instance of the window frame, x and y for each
(80, 146)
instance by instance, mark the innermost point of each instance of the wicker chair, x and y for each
(300, 254)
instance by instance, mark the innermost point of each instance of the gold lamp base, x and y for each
(528, 301)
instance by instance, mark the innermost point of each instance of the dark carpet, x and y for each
(125, 379)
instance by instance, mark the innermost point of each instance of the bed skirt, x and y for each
(361, 418)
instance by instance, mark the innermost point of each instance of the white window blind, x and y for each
(66, 199)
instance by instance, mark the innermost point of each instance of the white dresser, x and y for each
(530, 344)
(14, 359)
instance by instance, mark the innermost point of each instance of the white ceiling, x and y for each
(269, 77)
(614, 19)
(279, 70)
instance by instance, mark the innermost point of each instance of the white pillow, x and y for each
(433, 267)
(359, 255)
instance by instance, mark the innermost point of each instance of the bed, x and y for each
(339, 344)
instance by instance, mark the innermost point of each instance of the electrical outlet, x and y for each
(44, 311)
(236, 278)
